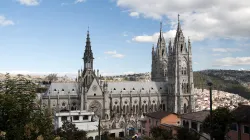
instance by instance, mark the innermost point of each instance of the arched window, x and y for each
(185, 108)
(134, 109)
(114, 108)
(127, 109)
(146, 108)
(118, 109)
(137, 109)
(181, 47)
(124, 109)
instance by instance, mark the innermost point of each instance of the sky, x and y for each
(48, 36)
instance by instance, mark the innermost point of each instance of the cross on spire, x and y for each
(178, 18)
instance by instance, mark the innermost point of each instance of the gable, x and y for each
(94, 89)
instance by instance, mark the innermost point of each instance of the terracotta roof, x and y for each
(158, 114)
(199, 116)
(242, 113)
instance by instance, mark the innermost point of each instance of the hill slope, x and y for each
(233, 81)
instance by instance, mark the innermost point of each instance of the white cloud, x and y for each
(232, 61)
(134, 14)
(226, 50)
(79, 1)
(110, 52)
(5, 22)
(196, 63)
(129, 72)
(29, 2)
(114, 54)
(200, 19)
(216, 54)
(24, 72)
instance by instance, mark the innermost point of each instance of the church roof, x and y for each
(143, 87)
(62, 88)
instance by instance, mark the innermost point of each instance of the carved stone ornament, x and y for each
(94, 88)
(95, 107)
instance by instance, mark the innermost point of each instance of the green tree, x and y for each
(159, 133)
(221, 121)
(187, 134)
(69, 131)
(20, 117)
(52, 77)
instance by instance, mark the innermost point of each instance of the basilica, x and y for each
(122, 104)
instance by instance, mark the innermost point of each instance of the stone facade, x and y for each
(122, 104)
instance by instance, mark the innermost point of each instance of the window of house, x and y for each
(54, 89)
(246, 129)
(133, 88)
(85, 117)
(234, 127)
(62, 89)
(124, 89)
(73, 89)
(194, 125)
(64, 118)
(94, 94)
(114, 89)
(75, 117)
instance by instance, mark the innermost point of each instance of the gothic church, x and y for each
(122, 104)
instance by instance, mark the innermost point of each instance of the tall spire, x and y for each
(88, 54)
(179, 24)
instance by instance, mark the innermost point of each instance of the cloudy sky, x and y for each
(43, 36)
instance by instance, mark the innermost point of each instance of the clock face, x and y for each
(94, 88)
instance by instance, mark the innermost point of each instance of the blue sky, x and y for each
(43, 36)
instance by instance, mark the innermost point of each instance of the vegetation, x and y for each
(159, 133)
(232, 81)
(221, 121)
(52, 77)
(68, 131)
(20, 117)
(187, 134)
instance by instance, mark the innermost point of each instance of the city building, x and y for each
(194, 120)
(122, 104)
(240, 129)
(158, 119)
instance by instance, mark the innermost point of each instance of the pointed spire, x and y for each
(189, 46)
(160, 27)
(179, 24)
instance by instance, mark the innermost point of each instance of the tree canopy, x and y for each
(20, 117)
(187, 134)
(69, 131)
(221, 121)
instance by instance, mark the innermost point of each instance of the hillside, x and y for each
(233, 81)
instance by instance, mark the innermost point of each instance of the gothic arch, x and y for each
(185, 108)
